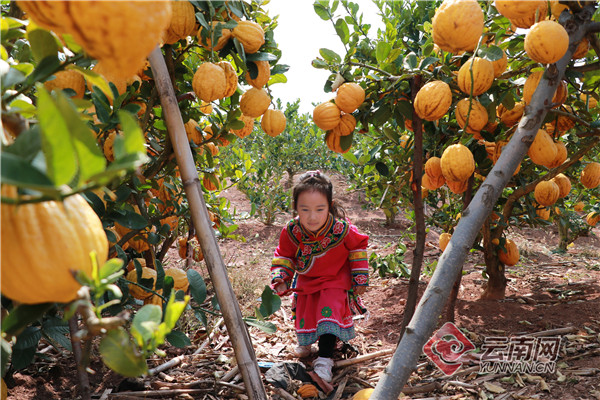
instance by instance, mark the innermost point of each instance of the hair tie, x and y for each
(314, 173)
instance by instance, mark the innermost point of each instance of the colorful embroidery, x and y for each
(334, 230)
(360, 279)
(301, 323)
(358, 256)
(326, 312)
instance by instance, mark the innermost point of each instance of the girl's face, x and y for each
(313, 209)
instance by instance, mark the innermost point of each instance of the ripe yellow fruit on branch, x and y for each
(327, 115)
(349, 97)
(247, 129)
(521, 13)
(44, 243)
(433, 167)
(511, 256)
(346, 125)
(590, 176)
(222, 39)
(564, 185)
(210, 82)
(483, 76)
(136, 291)
(457, 163)
(457, 25)
(476, 113)
(546, 193)
(263, 75)
(592, 218)
(433, 100)
(183, 21)
(273, 122)
(179, 277)
(444, 240)
(67, 80)
(543, 150)
(119, 34)
(254, 102)
(546, 42)
(250, 34)
(512, 116)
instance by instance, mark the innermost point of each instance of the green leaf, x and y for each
(330, 55)
(27, 145)
(48, 66)
(321, 11)
(491, 53)
(131, 220)
(30, 337)
(42, 42)
(318, 63)
(23, 315)
(270, 302)
(341, 29)
(382, 169)
(350, 157)
(90, 159)
(57, 330)
(382, 51)
(132, 134)
(61, 163)
(110, 267)
(5, 354)
(145, 322)
(173, 310)
(264, 326)
(346, 141)
(121, 355)
(17, 171)
(261, 56)
(93, 79)
(178, 339)
(412, 60)
(197, 286)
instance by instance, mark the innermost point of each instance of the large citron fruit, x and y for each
(457, 25)
(43, 244)
(119, 34)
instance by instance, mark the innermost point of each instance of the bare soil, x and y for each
(545, 291)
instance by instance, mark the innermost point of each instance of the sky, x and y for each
(299, 35)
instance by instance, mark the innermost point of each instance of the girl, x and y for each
(322, 258)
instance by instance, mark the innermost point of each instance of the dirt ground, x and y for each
(546, 291)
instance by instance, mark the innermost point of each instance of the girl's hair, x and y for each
(318, 182)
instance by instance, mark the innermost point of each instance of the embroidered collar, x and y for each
(324, 229)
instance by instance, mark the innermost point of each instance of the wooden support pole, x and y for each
(240, 339)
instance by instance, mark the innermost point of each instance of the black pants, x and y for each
(327, 345)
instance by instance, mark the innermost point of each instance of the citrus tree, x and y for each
(83, 120)
(477, 83)
(479, 62)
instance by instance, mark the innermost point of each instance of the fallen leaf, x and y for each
(490, 387)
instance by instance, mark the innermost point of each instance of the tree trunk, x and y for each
(418, 252)
(84, 382)
(426, 316)
(240, 338)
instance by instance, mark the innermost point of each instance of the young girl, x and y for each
(322, 258)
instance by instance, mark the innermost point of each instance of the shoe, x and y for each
(322, 367)
(303, 351)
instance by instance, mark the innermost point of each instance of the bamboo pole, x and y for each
(240, 339)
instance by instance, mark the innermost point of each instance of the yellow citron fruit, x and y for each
(349, 97)
(183, 21)
(262, 75)
(254, 102)
(433, 100)
(561, 155)
(457, 163)
(363, 394)
(444, 240)
(67, 80)
(433, 167)
(273, 122)
(346, 126)
(543, 150)
(136, 291)
(308, 391)
(522, 13)
(247, 129)
(431, 183)
(210, 82)
(590, 176)
(532, 82)
(546, 42)
(591, 102)
(119, 34)
(191, 130)
(250, 34)
(500, 64)
(43, 243)
(333, 143)
(543, 213)
(476, 113)
(564, 185)
(579, 206)
(512, 116)
(592, 218)
(231, 78)
(546, 193)
(457, 25)
(222, 38)
(457, 187)
(327, 115)
(179, 277)
(482, 76)
(511, 256)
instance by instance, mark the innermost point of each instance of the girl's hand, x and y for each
(280, 285)
(358, 290)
